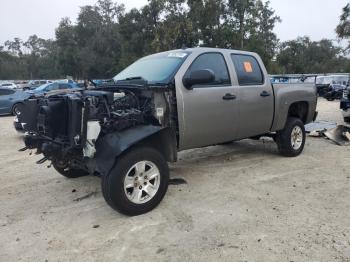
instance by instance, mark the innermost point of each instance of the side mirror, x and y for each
(204, 76)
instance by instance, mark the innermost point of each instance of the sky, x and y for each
(22, 18)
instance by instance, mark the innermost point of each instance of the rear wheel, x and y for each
(291, 140)
(137, 183)
(63, 168)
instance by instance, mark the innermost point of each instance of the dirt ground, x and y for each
(242, 202)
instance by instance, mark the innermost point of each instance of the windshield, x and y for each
(41, 88)
(47, 87)
(157, 68)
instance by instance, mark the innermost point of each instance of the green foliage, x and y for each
(343, 29)
(105, 39)
(303, 55)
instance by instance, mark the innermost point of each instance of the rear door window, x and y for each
(52, 87)
(64, 86)
(214, 62)
(248, 70)
(6, 92)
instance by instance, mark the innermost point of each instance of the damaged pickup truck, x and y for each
(127, 132)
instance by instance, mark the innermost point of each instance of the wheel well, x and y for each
(299, 110)
(163, 141)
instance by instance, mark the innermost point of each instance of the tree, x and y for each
(241, 12)
(105, 39)
(15, 46)
(343, 29)
(306, 56)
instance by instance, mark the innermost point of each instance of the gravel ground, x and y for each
(242, 202)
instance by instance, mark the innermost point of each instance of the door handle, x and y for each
(229, 97)
(265, 94)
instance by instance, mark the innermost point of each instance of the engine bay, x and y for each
(65, 127)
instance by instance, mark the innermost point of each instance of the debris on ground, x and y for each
(85, 197)
(318, 127)
(177, 181)
(316, 133)
(340, 135)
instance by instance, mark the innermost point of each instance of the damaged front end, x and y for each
(86, 130)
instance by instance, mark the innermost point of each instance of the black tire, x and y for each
(113, 183)
(15, 107)
(347, 119)
(284, 138)
(68, 172)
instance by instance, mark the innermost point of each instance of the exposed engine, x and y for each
(65, 127)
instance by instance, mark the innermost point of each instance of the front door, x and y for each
(207, 113)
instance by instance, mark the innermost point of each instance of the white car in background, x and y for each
(9, 85)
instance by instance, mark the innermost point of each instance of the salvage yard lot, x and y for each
(242, 202)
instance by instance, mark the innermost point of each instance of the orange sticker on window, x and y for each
(248, 67)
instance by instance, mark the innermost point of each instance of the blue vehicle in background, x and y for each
(52, 87)
(10, 100)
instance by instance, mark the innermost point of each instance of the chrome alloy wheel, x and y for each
(142, 182)
(297, 137)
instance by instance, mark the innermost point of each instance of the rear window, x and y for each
(248, 70)
(6, 92)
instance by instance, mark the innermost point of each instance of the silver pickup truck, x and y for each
(126, 132)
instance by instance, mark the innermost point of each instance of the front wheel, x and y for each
(137, 183)
(291, 140)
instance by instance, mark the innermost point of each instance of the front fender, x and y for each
(112, 145)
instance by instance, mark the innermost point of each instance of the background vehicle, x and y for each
(335, 92)
(21, 84)
(324, 83)
(345, 104)
(10, 99)
(52, 87)
(9, 85)
(32, 84)
(164, 103)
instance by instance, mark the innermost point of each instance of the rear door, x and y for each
(255, 96)
(208, 112)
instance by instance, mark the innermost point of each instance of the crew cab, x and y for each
(126, 132)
